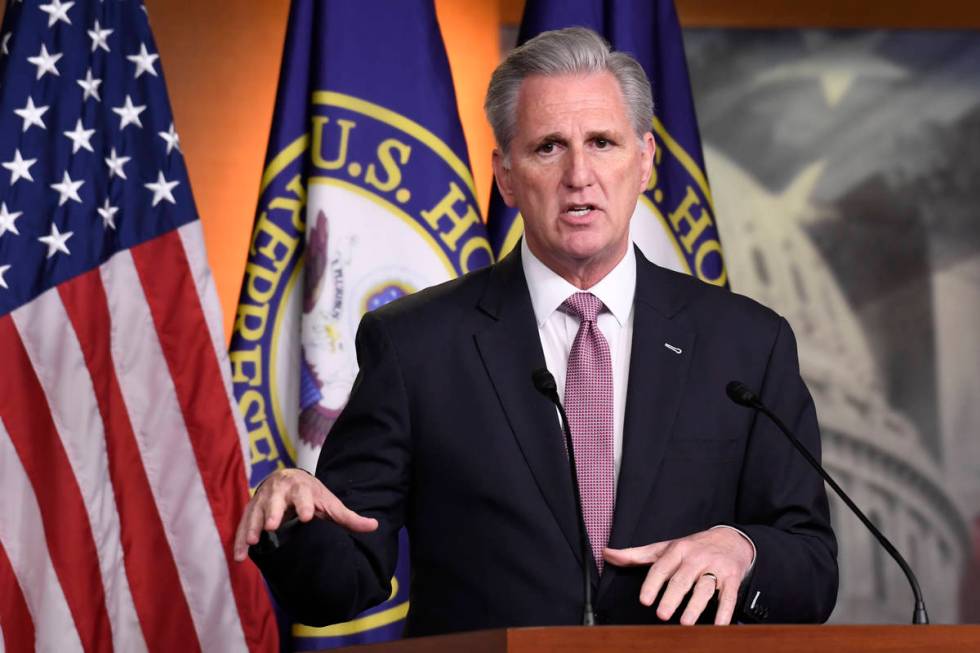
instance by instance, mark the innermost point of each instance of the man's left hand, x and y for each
(715, 559)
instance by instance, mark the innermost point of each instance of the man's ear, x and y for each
(649, 149)
(501, 174)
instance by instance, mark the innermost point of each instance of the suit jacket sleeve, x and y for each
(782, 504)
(319, 572)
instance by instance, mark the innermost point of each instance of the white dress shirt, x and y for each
(558, 329)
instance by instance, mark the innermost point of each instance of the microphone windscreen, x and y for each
(544, 381)
(741, 394)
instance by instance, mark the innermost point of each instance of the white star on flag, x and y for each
(98, 36)
(45, 62)
(144, 61)
(6, 40)
(173, 140)
(56, 240)
(57, 11)
(80, 137)
(129, 114)
(68, 189)
(90, 85)
(162, 189)
(19, 167)
(116, 164)
(31, 114)
(7, 219)
(3, 271)
(108, 212)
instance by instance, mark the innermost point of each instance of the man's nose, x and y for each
(578, 172)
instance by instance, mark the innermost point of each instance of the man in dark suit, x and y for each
(695, 509)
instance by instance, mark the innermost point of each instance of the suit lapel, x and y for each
(511, 349)
(656, 382)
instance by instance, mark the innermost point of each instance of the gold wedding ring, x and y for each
(710, 575)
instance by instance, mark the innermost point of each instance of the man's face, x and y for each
(576, 170)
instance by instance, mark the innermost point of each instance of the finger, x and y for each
(656, 577)
(342, 515)
(727, 599)
(249, 529)
(635, 556)
(303, 502)
(275, 506)
(704, 589)
(244, 530)
(681, 582)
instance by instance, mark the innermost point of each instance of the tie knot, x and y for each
(583, 305)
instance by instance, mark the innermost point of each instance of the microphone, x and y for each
(545, 384)
(743, 396)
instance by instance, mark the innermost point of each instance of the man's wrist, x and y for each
(748, 539)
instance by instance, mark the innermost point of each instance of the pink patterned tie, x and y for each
(589, 405)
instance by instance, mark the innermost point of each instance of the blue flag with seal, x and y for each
(674, 221)
(367, 196)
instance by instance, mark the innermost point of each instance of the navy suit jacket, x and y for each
(445, 433)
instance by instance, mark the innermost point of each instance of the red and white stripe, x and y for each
(59, 365)
(32, 593)
(122, 471)
(192, 238)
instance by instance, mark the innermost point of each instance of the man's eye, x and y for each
(546, 148)
(602, 143)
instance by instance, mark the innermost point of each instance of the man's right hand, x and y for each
(293, 492)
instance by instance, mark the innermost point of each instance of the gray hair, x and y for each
(561, 52)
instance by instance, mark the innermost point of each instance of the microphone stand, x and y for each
(742, 395)
(544, 381)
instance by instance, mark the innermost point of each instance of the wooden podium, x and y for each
(696, 639)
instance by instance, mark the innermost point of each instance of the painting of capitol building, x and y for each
(844, 189)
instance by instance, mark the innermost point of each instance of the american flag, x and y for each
(122, 472)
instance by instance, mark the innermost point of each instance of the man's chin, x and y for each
(584, 248)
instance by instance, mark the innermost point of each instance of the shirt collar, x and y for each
(549, 290)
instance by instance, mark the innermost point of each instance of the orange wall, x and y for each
(221, 59)
(471, 32)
